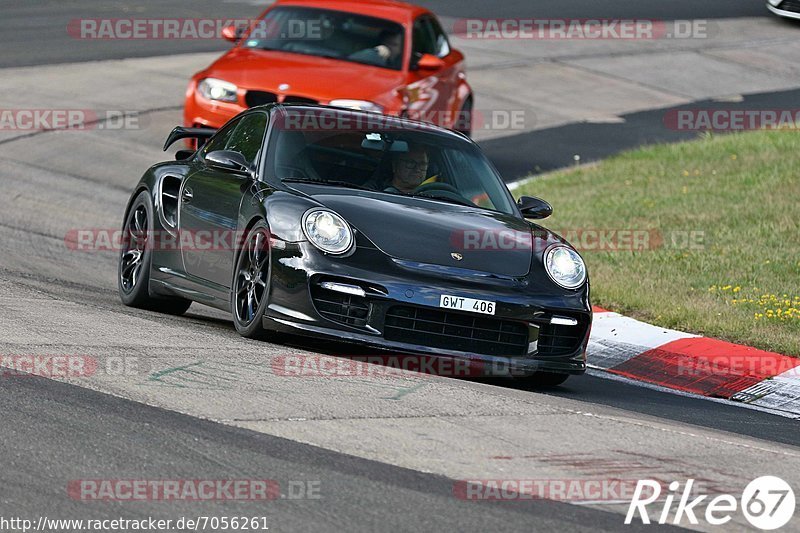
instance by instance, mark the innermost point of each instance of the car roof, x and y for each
(388, 9)
(409, 124)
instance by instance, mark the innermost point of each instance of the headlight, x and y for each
(327, 231)
(565, 267)
(359, 105)
(214, 89)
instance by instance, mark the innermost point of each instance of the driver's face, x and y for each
(410, 170)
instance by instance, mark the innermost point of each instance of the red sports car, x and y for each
(378, 55)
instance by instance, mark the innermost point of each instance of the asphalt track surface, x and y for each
(53, 432)
(555, 148)
(56, 432)
(33, 32)
(50, 429)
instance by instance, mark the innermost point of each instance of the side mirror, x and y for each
(228, 160)
(231, 33)
(430, 62)
(535, 208)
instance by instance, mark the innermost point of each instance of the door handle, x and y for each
(187, 195)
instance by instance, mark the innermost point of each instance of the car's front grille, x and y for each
(254, 98)
(342, 308)
(558, 339)
(290, 99)
(461, 332)
(790, 5)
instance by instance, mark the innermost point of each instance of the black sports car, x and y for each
(359, 227)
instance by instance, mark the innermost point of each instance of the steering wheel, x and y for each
(436, 186)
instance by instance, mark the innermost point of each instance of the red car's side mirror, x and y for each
(430, 62)
(230, 33)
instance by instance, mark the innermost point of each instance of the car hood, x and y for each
(314, 77)
(430, 232)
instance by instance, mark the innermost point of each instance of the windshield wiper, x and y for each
(332, 183)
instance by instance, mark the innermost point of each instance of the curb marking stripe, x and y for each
(705, 366)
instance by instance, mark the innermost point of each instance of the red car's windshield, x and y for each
(331, 34)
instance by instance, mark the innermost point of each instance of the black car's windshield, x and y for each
(382, 154)
(331, 34)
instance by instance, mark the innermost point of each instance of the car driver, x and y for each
(409, 170)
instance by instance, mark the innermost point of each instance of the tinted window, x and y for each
(248, 136)
(423, 38)
(220, 139)
(384, 156)
(441, 44)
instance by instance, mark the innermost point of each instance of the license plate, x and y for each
(467, 304)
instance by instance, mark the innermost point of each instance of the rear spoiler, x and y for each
(188, 133)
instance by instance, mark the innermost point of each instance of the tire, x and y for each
(135, 260)
(251, 282)
(545, 380)
(464, 122)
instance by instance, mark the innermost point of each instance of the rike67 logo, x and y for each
(767, 503)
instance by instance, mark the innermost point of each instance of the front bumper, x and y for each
(390, 284)
(198, 112)
(480, 365)
(786, 8)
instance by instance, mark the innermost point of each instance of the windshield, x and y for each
(382, 154)
(332, 34)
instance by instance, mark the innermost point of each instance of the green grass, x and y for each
(740, 192)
